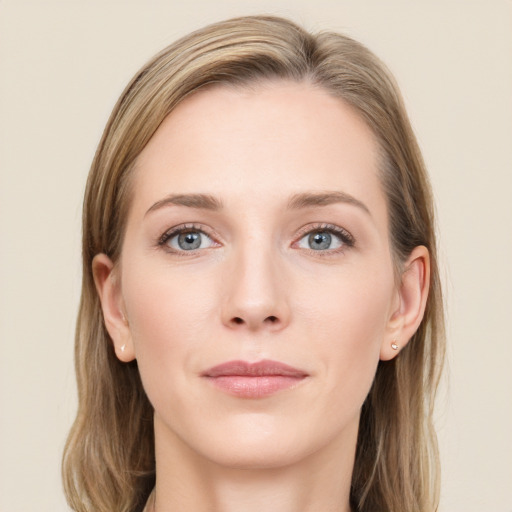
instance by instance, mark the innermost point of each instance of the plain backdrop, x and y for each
(63, 65)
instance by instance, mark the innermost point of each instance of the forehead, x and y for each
(271, 138)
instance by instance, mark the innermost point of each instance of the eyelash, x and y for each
(179, 230)
(346, 238)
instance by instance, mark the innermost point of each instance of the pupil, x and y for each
(319, 241)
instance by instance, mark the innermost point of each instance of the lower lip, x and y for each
(254, 386)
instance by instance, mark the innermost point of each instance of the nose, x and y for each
(256, 292)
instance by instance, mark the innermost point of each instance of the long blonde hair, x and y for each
(109, 461)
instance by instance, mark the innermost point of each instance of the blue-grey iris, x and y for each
(319, 241)
(189, 241)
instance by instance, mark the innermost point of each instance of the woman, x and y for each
(261, 323)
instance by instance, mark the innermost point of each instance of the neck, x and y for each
(188, 482)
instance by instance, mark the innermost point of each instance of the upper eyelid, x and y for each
(322, 226)
(181, 228)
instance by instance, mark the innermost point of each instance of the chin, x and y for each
(261, 442)
(256, 455)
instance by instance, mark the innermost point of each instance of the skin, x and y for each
(255, 290)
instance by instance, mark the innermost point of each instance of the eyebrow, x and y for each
(200, 201)
(308, 199)
(296, 202)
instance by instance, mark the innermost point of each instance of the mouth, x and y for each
(254, 380)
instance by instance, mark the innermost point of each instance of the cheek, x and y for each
(170, 318)
(347, 323)
(354, 303)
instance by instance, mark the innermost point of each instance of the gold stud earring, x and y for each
(394, 345)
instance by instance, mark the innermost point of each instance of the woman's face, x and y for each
(258, 232)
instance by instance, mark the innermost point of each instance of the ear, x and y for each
(109, 291)
(410, 305)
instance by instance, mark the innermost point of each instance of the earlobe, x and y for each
(109, 292)
(412, 300)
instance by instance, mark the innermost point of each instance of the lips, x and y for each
(254, 380)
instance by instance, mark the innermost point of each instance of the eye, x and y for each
(325, 238)
(320, 241)
(186, 239)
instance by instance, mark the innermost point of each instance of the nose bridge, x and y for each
(256, 297)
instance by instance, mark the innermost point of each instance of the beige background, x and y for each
(62, 66)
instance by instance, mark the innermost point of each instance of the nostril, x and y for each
(270, 319)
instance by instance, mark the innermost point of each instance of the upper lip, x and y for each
(262, 368)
